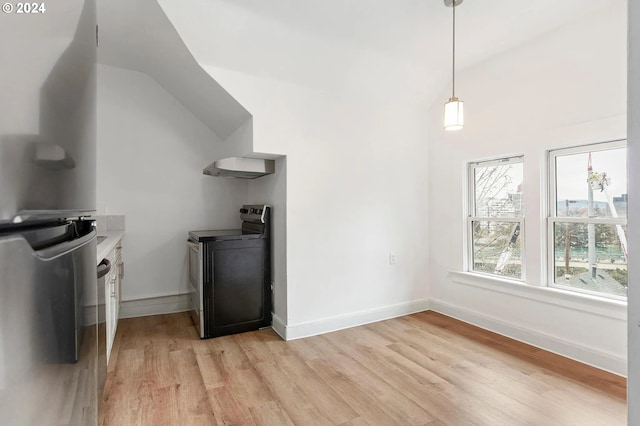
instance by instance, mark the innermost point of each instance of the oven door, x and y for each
(195, 285)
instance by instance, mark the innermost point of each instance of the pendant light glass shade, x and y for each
(454, 114)
(454, 108)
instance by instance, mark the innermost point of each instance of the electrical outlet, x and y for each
(392, 258)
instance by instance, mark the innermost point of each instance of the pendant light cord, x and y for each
(453, 67)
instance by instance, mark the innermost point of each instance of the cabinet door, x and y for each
(108, 308)
(112, 296)
(118, 284)
(116, 300)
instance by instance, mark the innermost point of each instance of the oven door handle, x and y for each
(103, 268)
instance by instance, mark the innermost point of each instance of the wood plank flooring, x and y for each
(421, 369)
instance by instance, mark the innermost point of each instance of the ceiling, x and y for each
(378, 47)
(407, 29)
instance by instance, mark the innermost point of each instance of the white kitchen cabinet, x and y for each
(112, 290)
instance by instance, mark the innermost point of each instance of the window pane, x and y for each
(606, 183)
(496, 248)
(573, 253)
(498, 190)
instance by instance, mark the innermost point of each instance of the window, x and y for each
(587, 223)
(496, 217)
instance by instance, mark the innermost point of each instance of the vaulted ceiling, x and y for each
(397, 47)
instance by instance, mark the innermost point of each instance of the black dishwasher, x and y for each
(231, 275)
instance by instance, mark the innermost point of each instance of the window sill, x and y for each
(609, 308)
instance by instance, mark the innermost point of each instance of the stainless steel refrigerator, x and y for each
(48, 342)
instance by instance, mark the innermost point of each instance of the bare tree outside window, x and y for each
(496, 217)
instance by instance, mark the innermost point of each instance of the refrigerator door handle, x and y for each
(61, 249)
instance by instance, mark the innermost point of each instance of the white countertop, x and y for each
(108, 244)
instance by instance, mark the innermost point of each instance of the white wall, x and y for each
(355, 167)
(633, 395)
(563, 89)
(272, 190)
(355, 190)
(151, 152)
(355, 173)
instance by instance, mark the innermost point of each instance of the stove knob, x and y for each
(244, 211)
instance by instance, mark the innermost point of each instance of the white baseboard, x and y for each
(180, 303)
(154, 306)
(278, 326)
(586, 355)
(327, 325)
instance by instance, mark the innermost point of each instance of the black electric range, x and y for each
(230, 275)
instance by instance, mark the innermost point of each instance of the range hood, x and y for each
(241, 167)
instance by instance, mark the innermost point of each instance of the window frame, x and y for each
(552, 217)
(471, 217)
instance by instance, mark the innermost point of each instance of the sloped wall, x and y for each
(137, 35)
(151, 151)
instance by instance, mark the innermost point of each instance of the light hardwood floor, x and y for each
(422, 369)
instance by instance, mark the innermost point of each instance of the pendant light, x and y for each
(454, 109)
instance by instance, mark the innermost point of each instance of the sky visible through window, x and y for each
(591, 256)
(572, 174)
